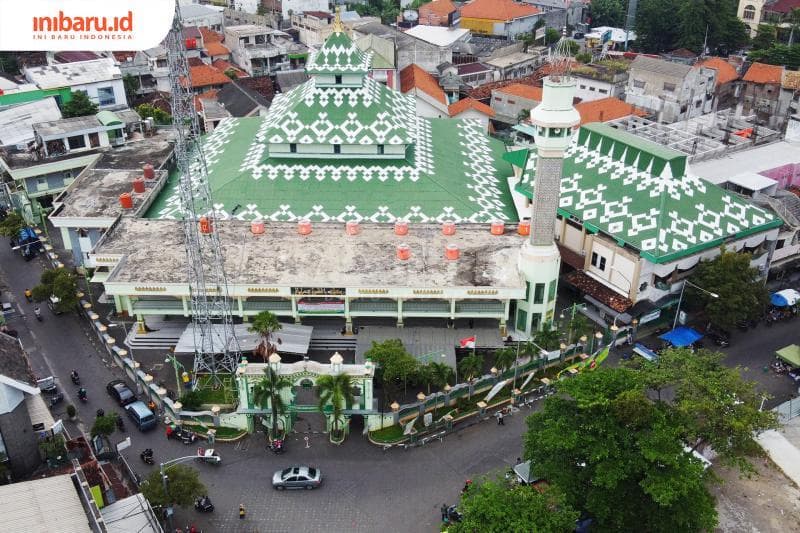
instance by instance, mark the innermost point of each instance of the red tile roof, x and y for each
(606, 109)
(763, 73)
(522, 90)
(205, 75)
(414, 77)
(484, 91)
(439, 7)
(319, 14)
(598, 291)
(497, 10)
(195, 62)
(217, 49)
(122, 57)
(210, 36)
(222, 66)
(469, 103)
(726, 72)
(782, 6)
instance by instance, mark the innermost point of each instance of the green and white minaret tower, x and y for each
(555, 120)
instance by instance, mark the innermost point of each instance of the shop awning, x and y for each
(681, 336)
(785, 298)
(790, 354)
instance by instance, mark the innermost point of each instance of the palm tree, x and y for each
(268, 390)
(549, 339)
(505, 358)
(441, 374)
(337, 390)
(265, 324)
(471, 366)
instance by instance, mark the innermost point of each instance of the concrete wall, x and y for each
(425, 56)
(80, 246)
(510, 106)
(428, 107)
(691, 96)
(589, 89)
(92, 88)
(210, 20)
(20, 441)
(49, 183)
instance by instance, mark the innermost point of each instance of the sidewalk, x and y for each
(783, 447)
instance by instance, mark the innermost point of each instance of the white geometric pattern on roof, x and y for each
(339, 55)
(370, 114)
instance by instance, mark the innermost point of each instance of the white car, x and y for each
(297, 477)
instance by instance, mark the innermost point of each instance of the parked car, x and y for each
(142, 416)
(119, 390)
(297, 477)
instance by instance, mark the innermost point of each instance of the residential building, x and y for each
(442, 36)
(202, 16)
(211, 114)
(101, 79)
(755, 12)
(383, 67)
(408, 49)
(194, 43)
(438, 13)
(516, 65)
(16, 122)
(247, 97)
(148, 66)
(206, 78)
(726, 90)
(606, 109)
(216, 51)
(601, 80)
(432, 102)
(226, 67)
(259, 50)
(499, 17)
(560, 13)
(671, 91)
(313, 26)
(300, 6)
(21, 408)
(763, 94)
(514, 102)
(476, 74)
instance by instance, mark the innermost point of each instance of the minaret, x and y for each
(555, 120)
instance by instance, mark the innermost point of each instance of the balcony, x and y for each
(373, 307)
(426, 307)
(275, 305)
(155, 306)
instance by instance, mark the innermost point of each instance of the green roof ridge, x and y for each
(339, 55)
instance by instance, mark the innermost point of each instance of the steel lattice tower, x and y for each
(208, 287)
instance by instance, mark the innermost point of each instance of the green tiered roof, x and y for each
(339, 55)
(370, 114)
(639, 193)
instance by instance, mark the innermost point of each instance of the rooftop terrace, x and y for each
(328, 256)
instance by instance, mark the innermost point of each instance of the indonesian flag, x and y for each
(469, 342)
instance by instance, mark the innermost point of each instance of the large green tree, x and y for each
(104, 425)
(740, 292)
(337, 391)
(395, 364)
(766, 37)
(183, 486)
(79, 106)
(495, 506)
(58, 282)
(268, 391)
(656, 30)
(618, 455)
(471, 366)
(12, 225)
(265, 324)
(608, 13)
(780, 54)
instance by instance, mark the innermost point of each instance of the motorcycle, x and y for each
(208, 455)
(204, 505)
(76, 379)
(183, 435)
(120, 423)
(276, 446)
(147, 456)
(38, 313)
(82, 395)
(29, 296)
(451, 515)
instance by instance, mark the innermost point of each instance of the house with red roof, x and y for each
(764, 95)
(505, 18)
(433, 102)
(725, 86)
(513, 101)
(206, 78)
(438, 13)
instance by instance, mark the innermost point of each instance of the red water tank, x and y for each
(451, 252)
(304, 227)
(352, 227)
(449, 228)
(401, 227)
(149, 171)
(524, 228)
(498, 228)
(403, 252)
(257, 227)
(191, 44)
(138, 185)
(205, 225)
(126, 200)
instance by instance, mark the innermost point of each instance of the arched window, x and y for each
(749, 12)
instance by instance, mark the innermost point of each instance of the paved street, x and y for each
(364, 488)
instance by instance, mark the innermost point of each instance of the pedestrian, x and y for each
(500, 421)
(443, 510)
(519, 460)
(241, 511)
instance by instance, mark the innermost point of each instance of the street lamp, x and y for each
(421, 399)
(125, 329)
(563, 349)
(635, 324)
(584, 339)
(599, 337)
(614, 330)
(174, 360)
(680, 299)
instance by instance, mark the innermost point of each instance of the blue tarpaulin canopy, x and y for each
(785, 298)
(681, 336)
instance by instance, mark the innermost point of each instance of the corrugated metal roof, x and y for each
(42, 506)
(660, 66)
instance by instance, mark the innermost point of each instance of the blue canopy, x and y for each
(785, 298)
(681, 336)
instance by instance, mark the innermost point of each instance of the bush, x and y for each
(192, 400)
(160, 116)
(71, 411)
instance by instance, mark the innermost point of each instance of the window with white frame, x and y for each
(105, 96)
